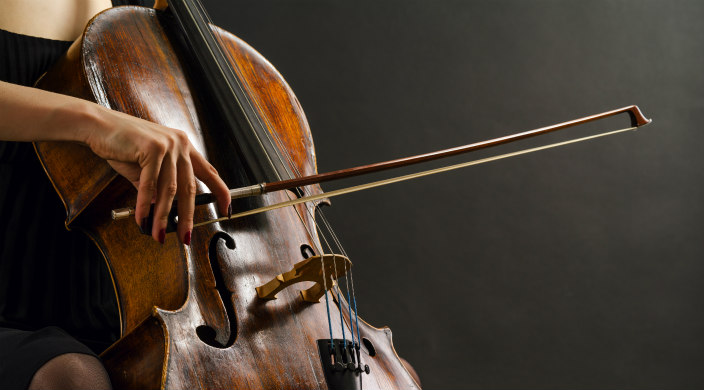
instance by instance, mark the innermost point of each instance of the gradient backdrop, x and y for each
(580, 267)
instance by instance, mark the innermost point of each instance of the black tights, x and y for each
(71, 371)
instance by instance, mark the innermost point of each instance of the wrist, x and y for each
(80, 120)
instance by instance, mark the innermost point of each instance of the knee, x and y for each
(71, 371)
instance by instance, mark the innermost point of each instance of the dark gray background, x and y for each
(574, 268)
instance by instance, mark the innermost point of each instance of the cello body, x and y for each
(189, 315)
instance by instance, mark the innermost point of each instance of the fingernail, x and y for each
(187, 238)
(229, 211)
(162, 235)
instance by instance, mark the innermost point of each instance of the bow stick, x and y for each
(636, 116)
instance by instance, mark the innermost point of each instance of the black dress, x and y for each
(52, 281)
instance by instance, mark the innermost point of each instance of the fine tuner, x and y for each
(636, 116)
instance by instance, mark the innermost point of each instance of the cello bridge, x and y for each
(323, 270)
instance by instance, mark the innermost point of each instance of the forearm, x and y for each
(155, 158)
(30, 114)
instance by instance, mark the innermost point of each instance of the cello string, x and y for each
(231, 68)
(339, 245)
(342, 325)
(353, 301)
(347, 283)
(356, 315)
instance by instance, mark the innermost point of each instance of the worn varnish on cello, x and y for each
(190, 316)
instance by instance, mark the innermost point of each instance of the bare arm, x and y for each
(159, 161)
(29, 114)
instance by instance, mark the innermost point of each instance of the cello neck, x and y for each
(238, 115)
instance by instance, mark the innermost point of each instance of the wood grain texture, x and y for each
(76, 173)
(190, 315)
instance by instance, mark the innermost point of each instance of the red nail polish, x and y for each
(229, 211)
(187, 238)
(162, 235)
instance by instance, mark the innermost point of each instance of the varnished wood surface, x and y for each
(127, 62)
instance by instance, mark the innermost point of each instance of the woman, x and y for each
(48, 276)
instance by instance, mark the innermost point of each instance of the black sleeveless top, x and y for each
(48, 275)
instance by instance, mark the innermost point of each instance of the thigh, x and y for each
(22, 353)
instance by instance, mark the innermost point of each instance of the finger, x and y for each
(186, 195)
(167, 187)
(148, 179)
(209, 176)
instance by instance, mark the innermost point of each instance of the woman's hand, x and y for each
(161, 163)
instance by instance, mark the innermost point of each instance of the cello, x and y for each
(194, 316)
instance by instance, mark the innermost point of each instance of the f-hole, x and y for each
(206, 333)
(307, 251)
(369, 346)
